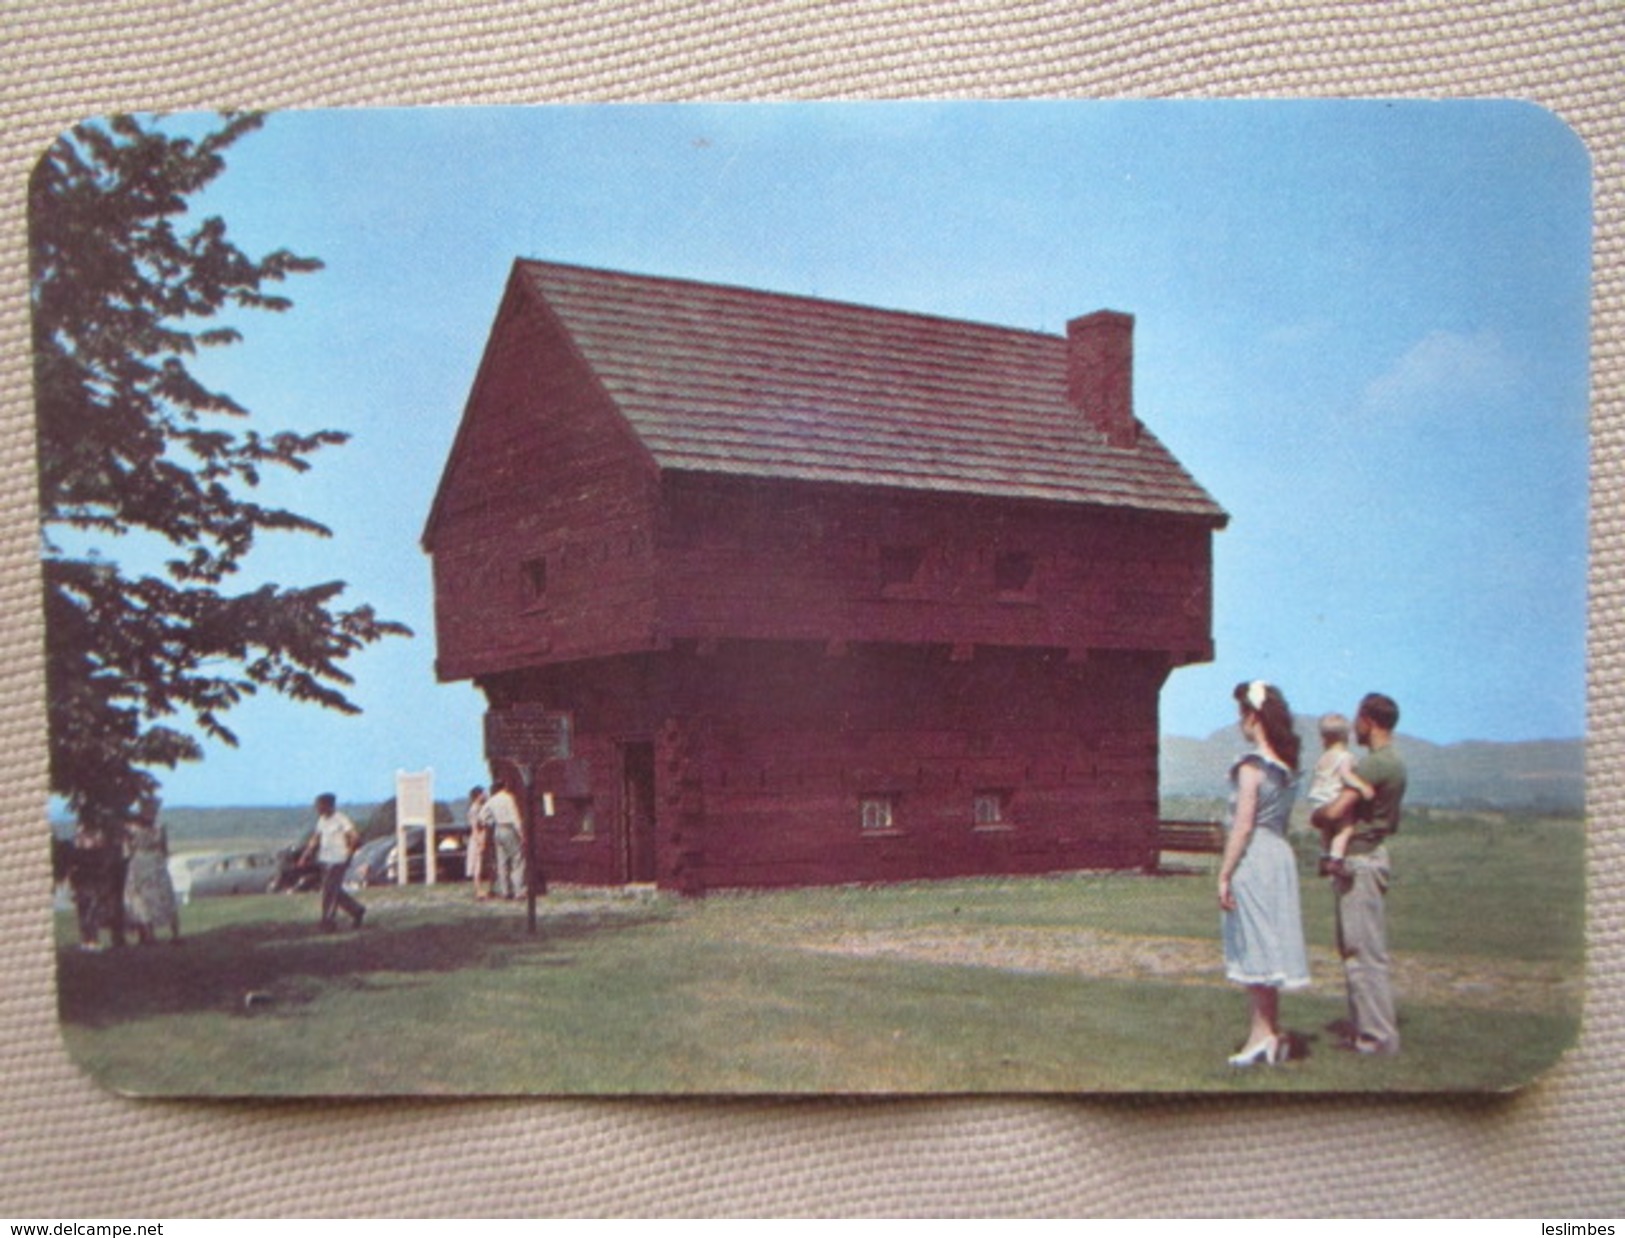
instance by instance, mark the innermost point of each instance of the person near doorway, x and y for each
(506, 824)
(479, 843)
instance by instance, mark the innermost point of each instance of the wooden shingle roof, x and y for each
(730, 380)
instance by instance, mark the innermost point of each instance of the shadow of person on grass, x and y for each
(278, 965)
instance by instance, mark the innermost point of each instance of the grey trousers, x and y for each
(335, 898)
(510, 857)
(1362, 940)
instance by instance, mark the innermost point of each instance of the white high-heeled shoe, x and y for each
(1264, 1051)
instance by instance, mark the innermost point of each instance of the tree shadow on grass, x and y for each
(270, 967)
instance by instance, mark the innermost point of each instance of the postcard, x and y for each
(784, 599)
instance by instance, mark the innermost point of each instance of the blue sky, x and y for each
(1361, 325)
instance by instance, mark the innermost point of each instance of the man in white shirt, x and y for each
(332, 845)
(503, 811)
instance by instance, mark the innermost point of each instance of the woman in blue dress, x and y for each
(1262, 922)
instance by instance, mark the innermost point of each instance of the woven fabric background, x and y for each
(70, 1150)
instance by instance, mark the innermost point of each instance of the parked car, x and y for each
(294, 872)
(181, 867)
(374, 863)
(242, 872)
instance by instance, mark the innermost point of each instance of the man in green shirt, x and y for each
(1360, 880)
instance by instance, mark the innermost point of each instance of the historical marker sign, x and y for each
(526, 733)
(529, 736)
(414, 797)
(414, 805)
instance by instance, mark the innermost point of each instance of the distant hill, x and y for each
(191, 828)
(1539, 775)
(195, 825)
(1546, 775)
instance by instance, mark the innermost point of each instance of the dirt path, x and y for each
(1477, 983)
(1473, 982)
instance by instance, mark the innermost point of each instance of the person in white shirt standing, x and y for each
(503, 811)
(332, 845)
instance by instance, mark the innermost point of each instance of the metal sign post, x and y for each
(528, 736)
(536, 808)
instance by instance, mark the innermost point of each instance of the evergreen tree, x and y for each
(140, 667)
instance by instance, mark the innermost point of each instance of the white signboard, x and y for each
(414, 805)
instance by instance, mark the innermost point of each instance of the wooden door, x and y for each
(637, 826)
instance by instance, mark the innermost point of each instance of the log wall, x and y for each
(764, 758)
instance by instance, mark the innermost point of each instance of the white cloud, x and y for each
(1443, 370)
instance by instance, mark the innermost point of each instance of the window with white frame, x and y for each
(990, 809)
(877, 812)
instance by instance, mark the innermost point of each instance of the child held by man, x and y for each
(1333, 772)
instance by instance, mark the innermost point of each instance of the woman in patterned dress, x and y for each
(1262, 923)
(149, 895)
(479, 844)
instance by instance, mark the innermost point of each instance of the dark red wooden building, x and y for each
(826, 593)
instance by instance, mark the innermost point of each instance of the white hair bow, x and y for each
(1257, 691)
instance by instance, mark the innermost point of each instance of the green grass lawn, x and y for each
(1084, 982)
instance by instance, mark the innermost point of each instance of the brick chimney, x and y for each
(1100, 374)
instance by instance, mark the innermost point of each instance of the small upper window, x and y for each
(1013, 574)
(900, 566)
(533, 575)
